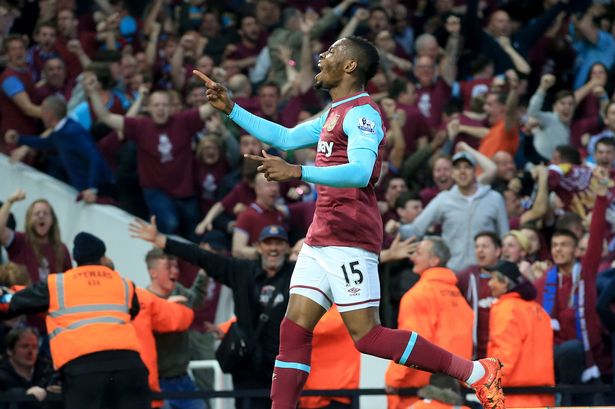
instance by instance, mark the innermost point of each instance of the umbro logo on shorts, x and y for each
(354, 291)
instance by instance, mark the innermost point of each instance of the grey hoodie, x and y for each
(461, 220)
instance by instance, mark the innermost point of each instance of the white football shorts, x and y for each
(346, 276)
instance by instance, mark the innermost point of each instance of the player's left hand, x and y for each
(276, 168)
(217, 95)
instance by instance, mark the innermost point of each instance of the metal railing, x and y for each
(354, 394)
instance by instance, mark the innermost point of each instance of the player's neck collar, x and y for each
(349, 98)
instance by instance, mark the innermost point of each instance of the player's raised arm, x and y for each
(364, 129)
(301, 136)
(363, 126)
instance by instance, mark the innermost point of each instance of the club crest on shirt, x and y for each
(367, 126)
(165, 148)
(331, 122)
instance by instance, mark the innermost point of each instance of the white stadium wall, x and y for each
(107, 222)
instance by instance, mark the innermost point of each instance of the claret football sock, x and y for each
(410, 349)
(292, 365)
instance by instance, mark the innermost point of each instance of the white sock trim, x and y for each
(478, 371)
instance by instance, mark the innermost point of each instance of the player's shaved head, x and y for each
(366, 55)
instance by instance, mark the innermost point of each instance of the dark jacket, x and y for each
(9, 379)
(15, 385)
(82, 161)
(252, 290)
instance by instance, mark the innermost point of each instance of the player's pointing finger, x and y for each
(208, 82)
(254, 157)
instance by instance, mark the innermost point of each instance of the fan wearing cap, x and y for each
(254, 283)
(520, 335)
(89, 309)
(466, 209)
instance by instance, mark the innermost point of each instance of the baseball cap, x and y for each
(273, 232)
(467, 156)
(507, 269)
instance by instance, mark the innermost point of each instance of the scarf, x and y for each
(577, 302)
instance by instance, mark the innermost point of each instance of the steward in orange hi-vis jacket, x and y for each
(157, 315)
(520, 335)
(336, 363)
(93, 344)
(81, 321)
(434, 308)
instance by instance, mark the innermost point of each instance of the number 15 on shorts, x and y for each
(356, 276)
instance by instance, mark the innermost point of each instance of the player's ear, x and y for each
(350, 66)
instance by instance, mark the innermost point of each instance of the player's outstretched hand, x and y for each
(276, 168)
(217, 95)
(148, 232)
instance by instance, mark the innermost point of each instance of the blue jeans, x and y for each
(173, 215)
(180, 384)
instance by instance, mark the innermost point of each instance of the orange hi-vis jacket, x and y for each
(157, 315)
(520, 335)
(435, 309)
(89, 311)
(336, 363)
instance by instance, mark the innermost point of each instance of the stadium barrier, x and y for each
(13, 399)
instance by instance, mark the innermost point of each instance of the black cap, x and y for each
(273, 231)
(88, 248)
(507, 269)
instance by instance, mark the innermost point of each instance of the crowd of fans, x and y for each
(500, 119)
